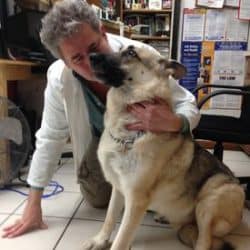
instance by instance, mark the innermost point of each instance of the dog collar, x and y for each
(127, 143)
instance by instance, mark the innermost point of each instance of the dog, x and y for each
(167, 173)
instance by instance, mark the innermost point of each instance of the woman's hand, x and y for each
(155, 116)
(31, 219)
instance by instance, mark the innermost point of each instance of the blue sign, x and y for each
(239, 46)
(191, 58)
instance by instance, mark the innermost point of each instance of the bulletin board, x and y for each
(214, 42)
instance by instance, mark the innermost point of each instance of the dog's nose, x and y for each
(93, 57)
(96, 58)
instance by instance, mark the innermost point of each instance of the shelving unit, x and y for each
(166, 43)
(150, 38)
(114, 28)
(147, 11)
(164, 40)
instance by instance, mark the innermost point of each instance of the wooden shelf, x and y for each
(147, 11)
(114, 28)
(151, 38)
(19, 63)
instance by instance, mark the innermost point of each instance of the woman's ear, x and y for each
(174, 68)
(103, 31)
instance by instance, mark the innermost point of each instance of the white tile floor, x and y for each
(71, 220)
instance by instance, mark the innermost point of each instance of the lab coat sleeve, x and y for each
(184, 103)
(53, 134)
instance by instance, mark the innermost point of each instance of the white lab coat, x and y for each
(65, 115)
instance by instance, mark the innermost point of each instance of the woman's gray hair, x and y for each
(63, 20)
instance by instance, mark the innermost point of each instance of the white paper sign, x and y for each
(236, 29)
(244, 11)
(211, 3)
(215, 25)
(193, 25)
(228, 69)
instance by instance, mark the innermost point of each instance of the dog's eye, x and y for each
(131, 53)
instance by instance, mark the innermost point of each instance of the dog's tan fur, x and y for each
(167, 173)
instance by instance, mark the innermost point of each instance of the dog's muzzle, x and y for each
(107, 68)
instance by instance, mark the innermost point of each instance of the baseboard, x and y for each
(226, 145)
(246, 149)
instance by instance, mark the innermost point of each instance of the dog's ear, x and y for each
(174, 68)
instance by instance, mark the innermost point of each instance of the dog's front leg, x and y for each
(101, 240)
(135, 208)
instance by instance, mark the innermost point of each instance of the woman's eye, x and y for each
(93, 49)
(78, 60)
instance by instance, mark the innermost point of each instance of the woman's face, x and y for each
(75, 50)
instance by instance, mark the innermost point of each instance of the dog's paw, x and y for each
(95, 244)
(160, 219)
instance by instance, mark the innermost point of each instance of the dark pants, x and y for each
(93, 186)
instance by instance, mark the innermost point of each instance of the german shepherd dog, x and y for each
(168, 173)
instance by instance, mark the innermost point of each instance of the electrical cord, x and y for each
(57, 189)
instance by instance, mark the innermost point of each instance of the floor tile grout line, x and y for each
(8, 216)
(67, 161)
(13, 212)
(66, 174)
(70, 192)
(67, 225)
(64, 191)
(230, 160)
(49, 216)
(23, 202)
(102, 220)
(84, 219)
(236, 162)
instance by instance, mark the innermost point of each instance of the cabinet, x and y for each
(157, 27)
